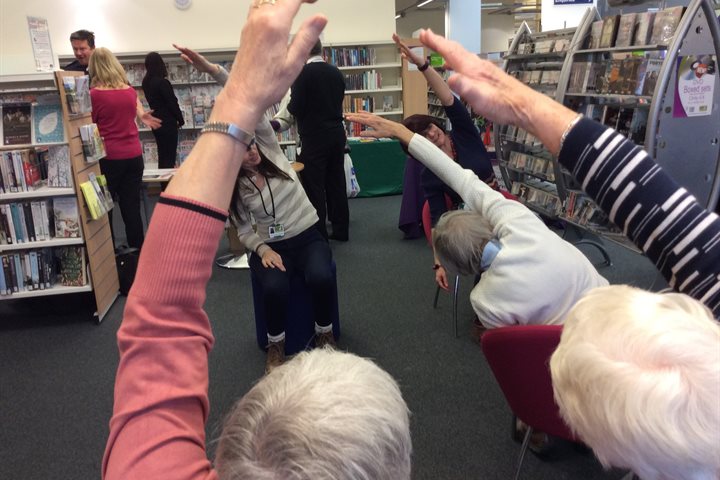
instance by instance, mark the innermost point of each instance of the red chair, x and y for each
(427, 226)
(519, 357)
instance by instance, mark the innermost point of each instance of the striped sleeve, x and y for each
(662, 218)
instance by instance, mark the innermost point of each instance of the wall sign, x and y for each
(40, 39)
(695, 87)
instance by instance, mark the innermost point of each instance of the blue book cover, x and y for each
(15, 212)
(19, 276)
(48, 123)
(3, 283)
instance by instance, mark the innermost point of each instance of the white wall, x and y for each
(496, 32)
(417, 19)
(145, 25)
(464, 23)
(554, 17)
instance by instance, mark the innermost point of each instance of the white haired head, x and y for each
(459, 239)
(323, 415)
(637, 377)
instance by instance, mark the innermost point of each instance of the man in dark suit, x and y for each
(83, 45)
(316, 103)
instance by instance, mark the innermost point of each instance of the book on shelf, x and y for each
(150, 153)
(178, 73)
(105, 194)
(92, 143)
(594, 111)
(652, 72)
(17, 123)
(66, 217)
(626, 30)
(664, 25)
(135, 73)
(20, 171)
(72, 270)
(638, 125)
(609, 31)
(77, 94)
(644, 28)
(595, 34)
(388, 101)
(632, 68)
(624, 120)
(350, 56)
(184, 149)
(615, 79)
(48, 123)
(95, 198)
(59, 169)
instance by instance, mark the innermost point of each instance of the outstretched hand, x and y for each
(265, 65)
(498, 96)
(406, 53)
(149, 120)
(193, 58)
(381, 127)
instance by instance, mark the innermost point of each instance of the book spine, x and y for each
(23, 222)
(35, 272)
(27, 270)
(37, 221)
(29, 222)
(16, 223)
(18, 272)
(8, 265)
(48, 218)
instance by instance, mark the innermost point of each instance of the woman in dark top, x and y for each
(463, 144)
(164, 104)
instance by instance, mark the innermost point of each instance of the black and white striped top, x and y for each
(658, 215)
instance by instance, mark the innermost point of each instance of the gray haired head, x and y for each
(459, 239)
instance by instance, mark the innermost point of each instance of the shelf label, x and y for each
(695, 88)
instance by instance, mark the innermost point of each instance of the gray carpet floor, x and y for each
(58, 367)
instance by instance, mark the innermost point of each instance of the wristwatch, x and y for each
(246, 138)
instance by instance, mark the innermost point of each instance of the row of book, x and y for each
(537, 166)
(29, 169)
(178, 73)
(97, 195)
(350, 56)
(42, 269)
(370, 80)
(92, 143)
(541, 195)
(39, 220)
(77, 94)
(544, 46)
(518, 135)
(26, 123)
(635, 29)
(580, 209)
(628, 121)
(538, 77)
(631, 75)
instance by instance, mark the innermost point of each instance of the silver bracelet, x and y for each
(570, 126)
(246, 138)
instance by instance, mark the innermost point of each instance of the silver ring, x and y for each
(265, 2)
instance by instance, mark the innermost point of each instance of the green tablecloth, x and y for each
(379, 167)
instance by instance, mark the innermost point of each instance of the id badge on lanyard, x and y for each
(276, 230)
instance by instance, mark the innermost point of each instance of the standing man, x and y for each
(316, 103)
(83, 44)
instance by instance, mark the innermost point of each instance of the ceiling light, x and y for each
(490, 5)
(397, 16)
(422, 4)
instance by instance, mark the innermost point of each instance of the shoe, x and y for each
(339, 237)
(275, 355)
(325, 339)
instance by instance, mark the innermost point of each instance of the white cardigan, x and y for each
(537, 276)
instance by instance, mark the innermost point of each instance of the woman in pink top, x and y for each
(115, 106)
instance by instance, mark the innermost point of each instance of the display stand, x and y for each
(96, 233)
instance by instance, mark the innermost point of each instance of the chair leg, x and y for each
(523, 449)
(437, 293)
(455, 304)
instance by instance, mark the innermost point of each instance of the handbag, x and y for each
(352, 187)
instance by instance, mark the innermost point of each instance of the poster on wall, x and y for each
(695, 89)
(40, 39)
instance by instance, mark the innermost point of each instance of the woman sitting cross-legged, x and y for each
(287, 240)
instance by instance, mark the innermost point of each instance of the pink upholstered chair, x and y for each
(519, 357)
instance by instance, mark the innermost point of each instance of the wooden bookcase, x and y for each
(96, 233)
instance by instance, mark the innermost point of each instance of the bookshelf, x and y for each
(373, 79)
(526, 167)
(33, 242)
(627, 77)
(632, 86)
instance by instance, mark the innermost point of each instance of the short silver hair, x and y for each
(637, 377)
(322, 415)
(459, 239)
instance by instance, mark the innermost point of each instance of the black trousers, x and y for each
(308, 253)
(324, 179)
(166, 138)
(124, 179)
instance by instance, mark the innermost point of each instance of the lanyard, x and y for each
(272, 199)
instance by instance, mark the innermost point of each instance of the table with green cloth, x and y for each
(379, 167)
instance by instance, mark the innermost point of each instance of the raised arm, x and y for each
(658, 215)
(161, 402)
(436, 82)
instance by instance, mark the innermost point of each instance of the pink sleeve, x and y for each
(161, 400)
